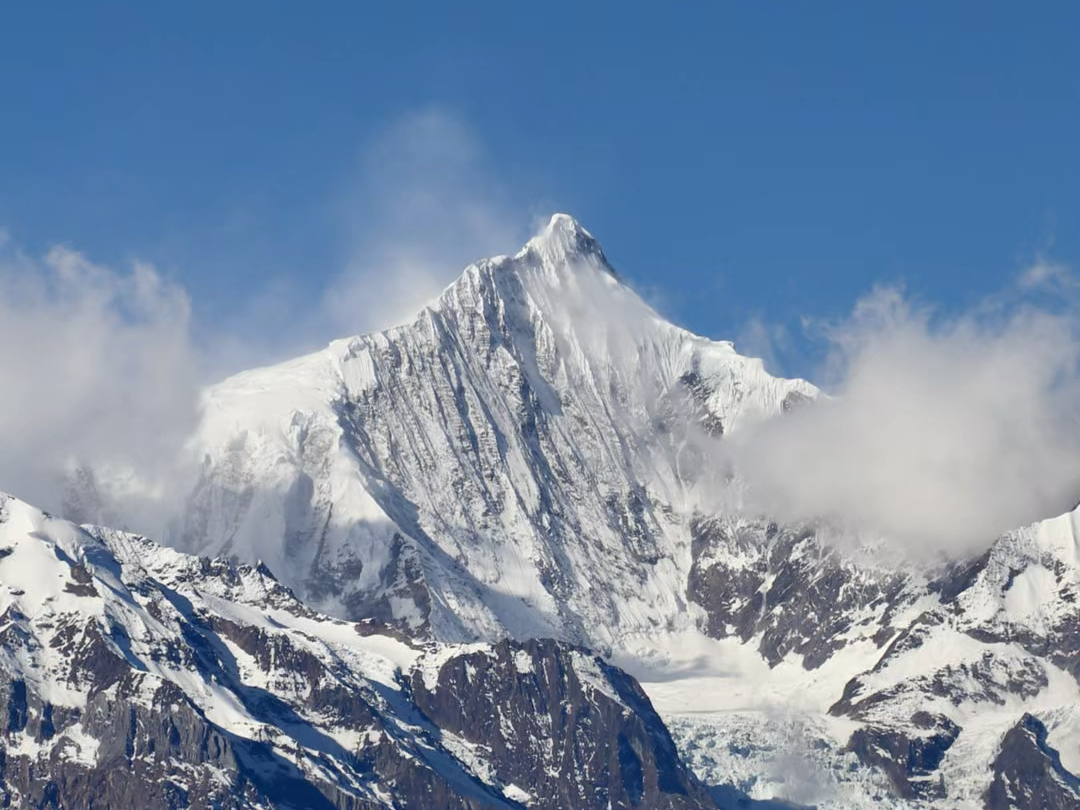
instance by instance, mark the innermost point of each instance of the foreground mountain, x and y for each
(539, 455)
(135, 676)
(866, 685)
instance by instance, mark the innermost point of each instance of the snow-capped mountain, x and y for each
(516, 461)
(533, 458)
(136, 676)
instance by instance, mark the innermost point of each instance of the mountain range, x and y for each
(498, 557)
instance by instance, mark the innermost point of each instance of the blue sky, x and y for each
(737, 161)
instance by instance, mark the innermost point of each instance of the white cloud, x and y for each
(97, 366)
(943, 432)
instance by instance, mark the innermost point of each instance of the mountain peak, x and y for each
(564, 240)
(564, 224)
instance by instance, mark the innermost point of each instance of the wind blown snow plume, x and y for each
(943, 433)
(97, 369)
(420, 204)
(424, 207)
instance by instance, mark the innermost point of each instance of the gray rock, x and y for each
(1028, 772)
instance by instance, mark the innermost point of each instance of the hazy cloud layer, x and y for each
(941, 433)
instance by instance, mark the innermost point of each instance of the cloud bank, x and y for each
(97, 368)
(941, 432)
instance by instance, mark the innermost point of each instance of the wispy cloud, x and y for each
(758, 337)
(420, 203)
(426, 204)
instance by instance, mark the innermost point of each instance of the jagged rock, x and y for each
(596, 737)
(1028, 772)
(910, 759)
(135, 676)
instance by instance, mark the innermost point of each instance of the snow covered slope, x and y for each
(519, 460)
(135, 676)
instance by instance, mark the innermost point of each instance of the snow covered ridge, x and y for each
(135, 676)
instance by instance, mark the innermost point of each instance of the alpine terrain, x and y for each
(495, 557)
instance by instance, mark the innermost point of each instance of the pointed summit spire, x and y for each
(564, 240)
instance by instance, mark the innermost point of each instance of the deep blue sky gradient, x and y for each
(734, 159)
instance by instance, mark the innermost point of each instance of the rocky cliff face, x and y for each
(589, 726)
(1028, 773)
